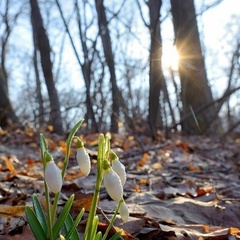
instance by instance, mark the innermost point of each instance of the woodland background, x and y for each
(113, 64)
(102, 61)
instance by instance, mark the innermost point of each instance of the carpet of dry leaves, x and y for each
(177, 188)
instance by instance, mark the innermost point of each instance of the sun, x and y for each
(170, 57)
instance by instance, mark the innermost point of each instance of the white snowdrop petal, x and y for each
(124, 213)
(113, 185)
(83, 160)
(53, 177)
(119, 168)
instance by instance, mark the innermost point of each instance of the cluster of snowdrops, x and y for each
(48, 224)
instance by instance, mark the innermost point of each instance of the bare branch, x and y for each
(141, 13)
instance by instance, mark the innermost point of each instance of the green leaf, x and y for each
(98, 236)
(73, 131)
(37, 207)
(62, 217)
(67, 226)
(43, 145)
(116, 236)
(94, 227)
(34, 224)
(71, 232)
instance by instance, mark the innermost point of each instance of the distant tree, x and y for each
(156, 78)
(42, 42)
(195, 91)
(108, 53)
(40, 112)
(88, 57)
(7, 113)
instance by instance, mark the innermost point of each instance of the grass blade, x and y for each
(98, 236)
(94, 227)
(37, 207)
(116, 236)
(62, 217)
(34, 224)
(72, 232)
(73, 131)
(43, 145)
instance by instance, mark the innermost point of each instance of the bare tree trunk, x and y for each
(87, 69)
(43, 45)
(107, 48)
(168, 102)
(7, 114)
(195, 91)
(40, 115)
(156, 78)
(86, 65)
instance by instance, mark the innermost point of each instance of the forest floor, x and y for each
(177, 188)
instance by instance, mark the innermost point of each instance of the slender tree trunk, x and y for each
(7, 114)
(195, 91)
(107, 48)
(156, 78)
(86, 67)
(40, 116)
(43, 45)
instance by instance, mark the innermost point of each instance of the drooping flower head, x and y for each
(113, 185)
(118, 167)
(124, 212)
(83, 158)
(52, 175)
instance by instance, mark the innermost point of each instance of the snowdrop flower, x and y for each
(119, 168)
(53, 177)
(124, 213)
(113, 185)
(83, 158)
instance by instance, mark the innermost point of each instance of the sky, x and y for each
(216, 26)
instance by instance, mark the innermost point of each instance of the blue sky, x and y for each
(218, 28)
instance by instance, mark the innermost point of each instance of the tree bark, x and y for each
(195, 91)
(40, 115)
(7, 114)
(43, 45)
(86, 67)
(156, 78)
(107, 48)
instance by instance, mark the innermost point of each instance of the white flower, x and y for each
(124, 213)
(83, 160)
(53, 177)
(119, 168)
(113, 185)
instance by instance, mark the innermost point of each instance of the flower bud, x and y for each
(119, 168)
(124, 213)
(113, 184)
(53, 177)
(83, 160)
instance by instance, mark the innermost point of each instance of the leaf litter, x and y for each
(177, 188)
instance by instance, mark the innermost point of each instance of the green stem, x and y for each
(66, 160)
(112, 221)
(49, 215)
(93, 209)
(44, 147)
